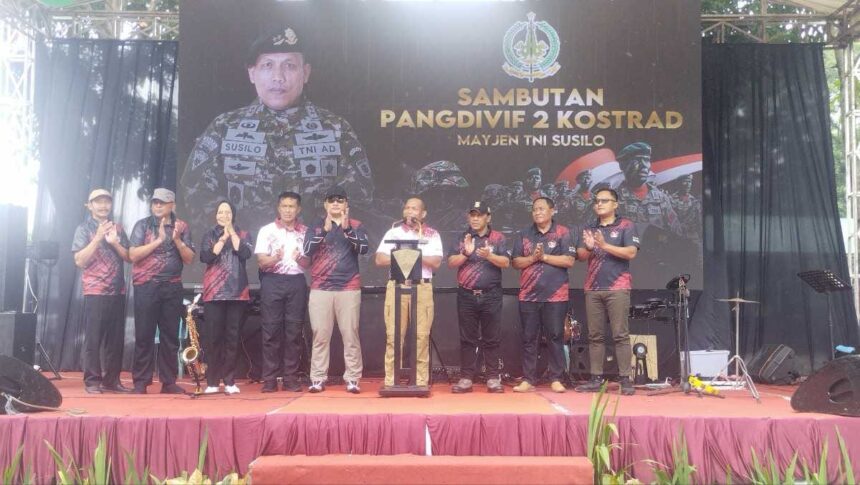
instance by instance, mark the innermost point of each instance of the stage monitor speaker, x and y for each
(18, 335)
(773, 364)
(833, 389)
(13, 254)
(19, 380)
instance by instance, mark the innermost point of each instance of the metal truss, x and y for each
(850, 81)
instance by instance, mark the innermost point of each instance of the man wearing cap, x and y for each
(412, 227)
(283, 293)
(333, 244)
(479, 257)
(160, 246)
(280, 142)
(638, 198)
(543, 252)
(534, 182)
(581, 199)
(101, 250)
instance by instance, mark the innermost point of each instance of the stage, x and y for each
(165, 431)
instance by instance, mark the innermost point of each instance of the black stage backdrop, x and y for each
(106, 112)
(769, 200)
(106, 115)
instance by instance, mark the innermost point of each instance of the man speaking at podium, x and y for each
(430, 243)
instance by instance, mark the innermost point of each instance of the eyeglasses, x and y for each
(336, 199)
(603, 201)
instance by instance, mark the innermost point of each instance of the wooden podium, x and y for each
(406, 275)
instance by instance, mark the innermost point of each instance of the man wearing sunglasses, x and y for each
(608, 244)
(333, 244)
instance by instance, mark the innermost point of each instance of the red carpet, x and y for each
(165, 432)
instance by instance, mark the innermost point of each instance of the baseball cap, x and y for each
(96, 193)
(278, 40)
(336, 191)
(480, 206)
(163, 195)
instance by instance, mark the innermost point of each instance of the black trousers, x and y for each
(156, 305)
(548, 316)
(480, 326)
(283, 300)
(222, 321)
(104, 329)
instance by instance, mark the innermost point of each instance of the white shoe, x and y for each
(234, 389)
(352, 387)
(211, 390)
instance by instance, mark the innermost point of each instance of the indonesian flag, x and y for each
(673, 168)
(604, 169)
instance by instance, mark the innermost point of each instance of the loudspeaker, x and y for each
(18, 335)
(773, 364)
(19, 380)
(13, 255)
(833, 389)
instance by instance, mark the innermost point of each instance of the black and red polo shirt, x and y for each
(164, 264)
(225, 277)
(334, 255)
(605, 271)
(542, 282)
(105, 273)
(477, 273)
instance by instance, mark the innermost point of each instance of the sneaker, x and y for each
(557, 386)
(463, 386)
(211, 390)
(269, 386)
(231, 389)
(524, 386)
(593, 385)
(352, 387)
(495, 385)
(627, 388)
(316, 386)
(172, 389)
(96, 389)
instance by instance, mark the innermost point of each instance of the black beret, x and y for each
(282, 39)
(634, 150)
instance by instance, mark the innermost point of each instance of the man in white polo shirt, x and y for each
(283, 294)
(412, 227)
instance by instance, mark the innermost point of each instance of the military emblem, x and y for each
(531, 49)
(289, 37)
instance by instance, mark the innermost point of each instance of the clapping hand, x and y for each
(538, 253)
(588, 239)
(468, 245)
(103, 230)
(111, 237)
(484, 251)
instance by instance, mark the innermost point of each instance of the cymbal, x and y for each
(736, 300)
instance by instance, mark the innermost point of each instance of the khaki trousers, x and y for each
(325, 307)
(425, 322)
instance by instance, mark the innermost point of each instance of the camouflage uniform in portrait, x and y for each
(639, 199)
(251, 154)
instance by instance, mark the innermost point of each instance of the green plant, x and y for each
(131, 474)
(11, 471)
(682, 470)
(766, 475)
(599, 445)
(820, 477)
(845, 468)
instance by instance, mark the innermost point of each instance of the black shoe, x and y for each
(118, 388)
(463, 386)
(593, 385)
(292, 385)
(139, 390)
(93, 389)
(270, 386)
(627, 388)
(172, 389)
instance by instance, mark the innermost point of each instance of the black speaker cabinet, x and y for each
(18, 335)
(773, 364)
(833, 389)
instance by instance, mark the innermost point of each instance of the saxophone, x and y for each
(190, 355)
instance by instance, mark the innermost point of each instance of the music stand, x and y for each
(741, 373)
(406, 275)
(824, 281)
